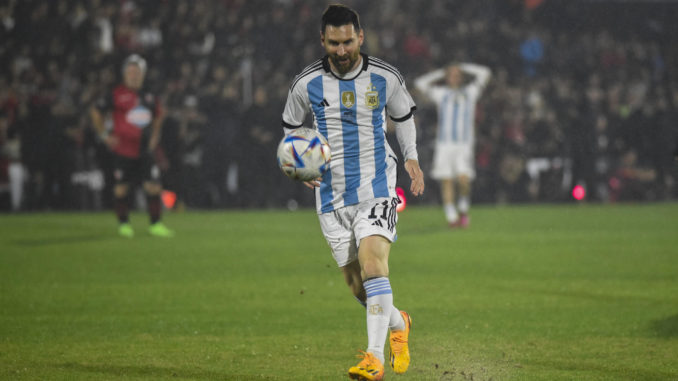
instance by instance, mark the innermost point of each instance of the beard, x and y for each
(345, 63)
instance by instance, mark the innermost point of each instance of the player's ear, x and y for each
(361, 37)
(322, 39)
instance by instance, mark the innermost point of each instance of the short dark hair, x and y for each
(338, 15)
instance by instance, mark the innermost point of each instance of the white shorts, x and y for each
(345, 227)
(452, 160)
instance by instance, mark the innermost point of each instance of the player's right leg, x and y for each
(399, 342)
(121, 194)
(444, 171)
(154, 205)
(122, 172)
(447, 194)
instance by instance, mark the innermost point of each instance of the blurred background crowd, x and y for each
(582, 92)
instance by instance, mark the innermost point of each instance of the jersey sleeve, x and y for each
(426, 85)
(399, 103)
(296, 107)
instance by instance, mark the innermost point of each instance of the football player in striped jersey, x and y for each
(349, 96)
(453, 159)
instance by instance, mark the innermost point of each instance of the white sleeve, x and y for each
(425, 85)
(425, 82)
(296, 108)
(407, 138)
(399, 104)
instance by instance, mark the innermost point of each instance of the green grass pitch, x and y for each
(559, 292)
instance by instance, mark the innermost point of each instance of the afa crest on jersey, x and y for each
(372, 99)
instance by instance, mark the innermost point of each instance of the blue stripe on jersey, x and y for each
(379, 183)
(316, 96)
(455, 111)
(377, 286)
(349, 124)
(441, 117)
(467, 120)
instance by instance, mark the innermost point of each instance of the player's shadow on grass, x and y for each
(45, 241)
(667, 327)
(155, 371)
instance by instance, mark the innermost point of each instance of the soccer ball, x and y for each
(304, 154)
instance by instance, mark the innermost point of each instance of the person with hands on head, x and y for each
(453, 159)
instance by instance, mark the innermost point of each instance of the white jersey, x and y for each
(350, 113)
(456, 107)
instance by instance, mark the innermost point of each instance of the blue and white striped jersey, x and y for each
(350, 113)
(456, 107)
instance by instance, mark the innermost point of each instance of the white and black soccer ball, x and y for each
(304, 154)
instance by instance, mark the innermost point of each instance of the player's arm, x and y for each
(480, 73)
(401, 107)
(406, 133)
(293, 117)
(156, 127)
(97, 116)
(425, 82)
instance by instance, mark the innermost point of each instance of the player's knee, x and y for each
(152, 188)
(464, 184)
(120, 191)
(373, 267)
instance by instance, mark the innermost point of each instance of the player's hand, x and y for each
(313, 183)
(416, 175)
(153, 142)
(111, 141)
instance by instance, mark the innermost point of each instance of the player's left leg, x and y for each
(464, 200)
(465, 172)
(153, 189)
(157, 228)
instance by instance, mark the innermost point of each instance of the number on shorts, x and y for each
(388, 214)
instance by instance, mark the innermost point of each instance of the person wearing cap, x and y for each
(137, 118)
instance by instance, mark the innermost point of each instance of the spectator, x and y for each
(616, 63)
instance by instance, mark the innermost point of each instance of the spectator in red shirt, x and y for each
(137, 120)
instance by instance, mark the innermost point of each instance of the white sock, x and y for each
(379, 308)
(464, 204)
(396, 321)
(451, 213)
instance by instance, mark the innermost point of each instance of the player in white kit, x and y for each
(349, 95)
(453, 159)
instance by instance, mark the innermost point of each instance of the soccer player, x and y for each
(137, 119)
(453, 161)
(349, 95)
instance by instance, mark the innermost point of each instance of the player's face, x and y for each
(134, 77)
(454, 76)
(342, 44)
